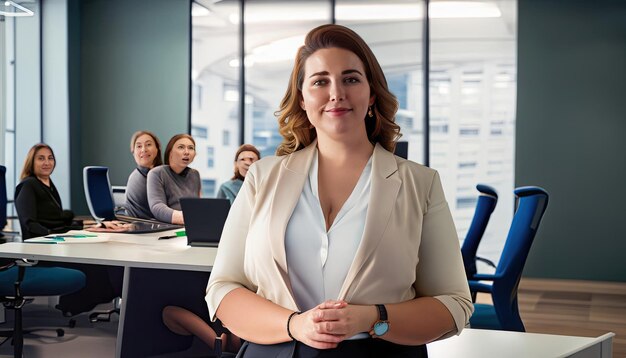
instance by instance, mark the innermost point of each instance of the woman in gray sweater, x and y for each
(174, 180)
(146, 149)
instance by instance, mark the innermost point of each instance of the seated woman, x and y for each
(245, 156)
(146, 149)
(174, 180)
(185, 322)
(37, 200)
(40, 213)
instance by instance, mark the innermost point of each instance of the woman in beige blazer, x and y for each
(336, 247)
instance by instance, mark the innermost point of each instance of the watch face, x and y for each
(381, 328)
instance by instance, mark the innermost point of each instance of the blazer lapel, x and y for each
(291, 178)
(384, 191)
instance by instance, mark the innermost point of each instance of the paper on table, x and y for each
(86, 237)
(68, 239)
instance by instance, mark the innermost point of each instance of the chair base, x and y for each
(102, 316)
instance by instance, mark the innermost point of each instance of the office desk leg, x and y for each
(146, 291)
(120, 326)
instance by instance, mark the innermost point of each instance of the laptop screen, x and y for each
(204, 219)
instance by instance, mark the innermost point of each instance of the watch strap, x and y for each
(382, 312)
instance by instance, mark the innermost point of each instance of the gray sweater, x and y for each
(136, 194)
(165, 188)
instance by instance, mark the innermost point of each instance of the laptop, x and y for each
(204, 220)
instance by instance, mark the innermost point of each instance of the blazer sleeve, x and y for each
(157, 200)
(440, 271)
(228, 270)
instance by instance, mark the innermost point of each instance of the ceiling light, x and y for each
(199, 10)
(373, 12)
(16, 10)
(463, 9)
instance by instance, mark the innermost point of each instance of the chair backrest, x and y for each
(532, 202)
(119, 195)
(402, 149)
(98, 193)
(3, 197)
(485, 205)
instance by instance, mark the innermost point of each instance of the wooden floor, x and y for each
(575, 308)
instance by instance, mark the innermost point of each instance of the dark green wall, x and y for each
(571, 134)
(132, 73)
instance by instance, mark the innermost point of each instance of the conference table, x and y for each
(138, 254)
(141, 253)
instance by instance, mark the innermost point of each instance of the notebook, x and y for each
(204, 220)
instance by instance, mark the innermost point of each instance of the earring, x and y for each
(370, 113)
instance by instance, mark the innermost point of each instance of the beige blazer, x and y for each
(409, 247)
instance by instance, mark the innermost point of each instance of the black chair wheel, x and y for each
(60, 332)
(72, 323)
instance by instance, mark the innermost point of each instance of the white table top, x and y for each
(131, 250)
(479, 343)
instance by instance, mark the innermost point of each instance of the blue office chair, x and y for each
(17, 280)
(3, 204)
(3, 198)
(119, 199)
(98, 192)
(402, 149)
(504, 313)
(487, 201)
(99, 195)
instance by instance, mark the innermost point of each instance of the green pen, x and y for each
(176, 234)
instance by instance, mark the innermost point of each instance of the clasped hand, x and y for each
(328, 324)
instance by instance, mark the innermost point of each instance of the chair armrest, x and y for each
(486, 277)
(476, 286)
(488, 262)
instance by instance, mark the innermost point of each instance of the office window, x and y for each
(466, 202)
(208, 188)
(472, 83)
(273, 32)
(196, 97)
(210, 153)
(7, 111)
(472, 86)
(393, 29)
(215, 70)
(463, 165)
(469, 131)
(198, 132)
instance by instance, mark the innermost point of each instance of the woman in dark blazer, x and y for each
(40, 213)
(37, 200)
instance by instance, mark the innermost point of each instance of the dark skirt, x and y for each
(350, 348)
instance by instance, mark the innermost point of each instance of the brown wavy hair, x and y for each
(293, 122)
(170, 145)
(244, 148)
(158, 160)
(29, 163)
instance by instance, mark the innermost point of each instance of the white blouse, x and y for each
(318, 260)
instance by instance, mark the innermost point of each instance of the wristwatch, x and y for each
(382, 325)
